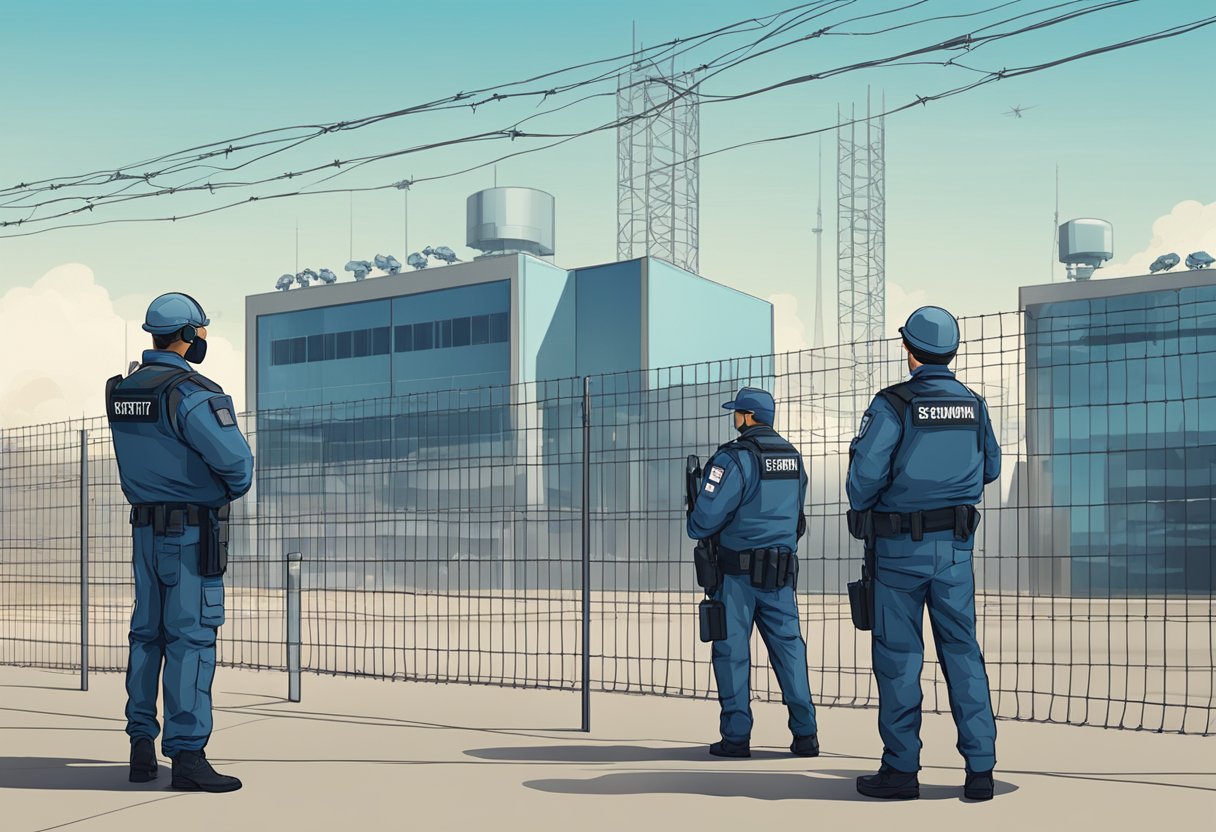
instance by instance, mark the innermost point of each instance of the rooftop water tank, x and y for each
(1086, 244)
(510, 220)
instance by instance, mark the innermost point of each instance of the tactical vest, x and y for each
(778, 484)
(921, 408)
(151, 394)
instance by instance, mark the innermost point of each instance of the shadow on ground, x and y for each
(59, 774)
(610, 754)
(818, 785)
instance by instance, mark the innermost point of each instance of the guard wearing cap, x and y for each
(918, 465)
(181, 461)
(750, 506)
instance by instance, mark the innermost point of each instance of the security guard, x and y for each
(750, 505)
(181, 460)
(922, 455)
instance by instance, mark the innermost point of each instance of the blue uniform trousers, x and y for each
(910, 576)
(775, 613)
(176, 615)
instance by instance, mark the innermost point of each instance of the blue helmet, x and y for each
(170, 312)
(755, 401)
(931, 330)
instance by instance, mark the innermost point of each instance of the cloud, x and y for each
(63, 337)
(1190, 226)
(789, 333)
(792, 334)
(900, 304)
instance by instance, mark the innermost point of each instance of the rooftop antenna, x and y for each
(404, 187)
(351, 256)
(1055, 230)
(818, 232)
(297, 246)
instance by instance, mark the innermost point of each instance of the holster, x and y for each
(861, 594)
(213, 543)
(709, 575)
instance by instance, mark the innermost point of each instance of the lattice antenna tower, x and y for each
(658, 175)
(861, 252)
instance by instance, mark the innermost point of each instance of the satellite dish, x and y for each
(359, 267)
(387, 263)
(1199, 260)
(441, 253)
(1164, 263)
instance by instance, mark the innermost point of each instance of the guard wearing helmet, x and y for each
(750, 507)
(181, 461)
(922, 455)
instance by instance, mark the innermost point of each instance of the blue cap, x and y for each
(931, 330)
(170, 312)
(755, 401)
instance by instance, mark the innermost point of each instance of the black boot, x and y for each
(979, 785)
(726, 748)
(807, 746)
(890, 784)
(143, 760)
(192, 772)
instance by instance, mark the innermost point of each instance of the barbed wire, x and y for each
(969, 43)
(809, 13)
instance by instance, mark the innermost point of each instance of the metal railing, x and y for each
(534, 536)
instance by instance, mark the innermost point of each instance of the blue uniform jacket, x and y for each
(930, 470)
(208, 464)
(732, 505)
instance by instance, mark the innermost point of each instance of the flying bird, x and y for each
(1017, 111)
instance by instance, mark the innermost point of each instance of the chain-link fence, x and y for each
(445, 537)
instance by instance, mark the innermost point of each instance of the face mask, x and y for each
(197, 351)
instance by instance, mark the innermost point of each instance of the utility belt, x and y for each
(172, 519)
(767, 568)
(868, 525)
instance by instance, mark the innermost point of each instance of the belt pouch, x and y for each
(213, 546)
(713, 620)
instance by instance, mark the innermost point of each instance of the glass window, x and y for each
(280, 352)
(404, 338)
(299, 350)
(329, 348)
(380, 340)
(316, 348)
(498, 328)
(342, 342)
(461, 332)
(445, 334)
(424, 336)
(481, 329)
(362, 342)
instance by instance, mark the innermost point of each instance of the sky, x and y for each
(970, 190)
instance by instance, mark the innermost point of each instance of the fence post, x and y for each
(294, 560)
(84, 559)
(586, 525)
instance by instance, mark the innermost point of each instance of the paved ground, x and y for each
(367, 755)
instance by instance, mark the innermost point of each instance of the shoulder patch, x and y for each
(715, 474)
(866, 419)
(222, 409)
